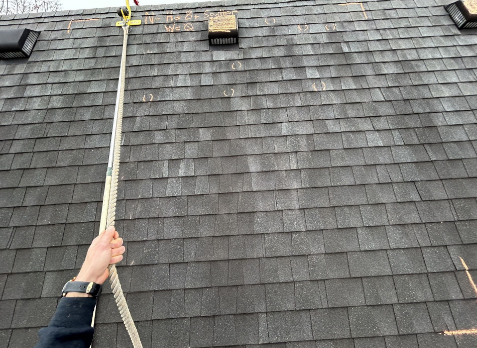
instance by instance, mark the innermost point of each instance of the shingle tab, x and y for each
(289, 326)
(328, 266)
(413, 318)
(372, 321)
(330, 323)
(445, 286)
(402, 213)
(344, 292)
(369, 263)
(405, 261)
(7, 257)
(413, 288)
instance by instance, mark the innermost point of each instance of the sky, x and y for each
(83, 4)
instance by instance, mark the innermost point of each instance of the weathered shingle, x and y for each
(372, 321)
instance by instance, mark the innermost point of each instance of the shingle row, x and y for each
(320, 324)
(91, 130)
(358, 215)
(252, 270)
(252, 226)
(320, 62)
(288, 326)
(263, 90)
(186, 159)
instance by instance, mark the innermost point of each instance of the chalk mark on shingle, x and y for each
(171, 18)
(231, 95)
(460, 332)
(356, 3)
(171, 28)
(332, 28)
(80, 20)
(464, 331)
(188, 27)
(239, 65)
(305, 27)
(468, 275)
(151, 97)
(151, 17)
(323, 86)
(271, 19)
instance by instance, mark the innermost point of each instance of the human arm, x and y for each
(71, 323)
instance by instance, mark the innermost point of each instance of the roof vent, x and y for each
(223, 30)
(17, 43)
(463, 13)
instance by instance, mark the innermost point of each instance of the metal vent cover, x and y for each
(460, 14)
(17, 43)
(223, 30)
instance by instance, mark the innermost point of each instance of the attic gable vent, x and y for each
(17, 43)
(463, 13)
(223, 30)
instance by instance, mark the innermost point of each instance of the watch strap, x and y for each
(89, 288)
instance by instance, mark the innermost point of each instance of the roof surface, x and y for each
(315, 188)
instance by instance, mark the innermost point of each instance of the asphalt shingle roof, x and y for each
(314, 188)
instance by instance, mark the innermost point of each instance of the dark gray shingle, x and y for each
(372, 321)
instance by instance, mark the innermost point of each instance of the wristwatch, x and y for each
(89, 288)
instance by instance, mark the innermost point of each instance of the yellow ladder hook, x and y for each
(126, 14)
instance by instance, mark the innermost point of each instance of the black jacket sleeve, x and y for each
(71, 324)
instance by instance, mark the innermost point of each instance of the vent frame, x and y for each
(461, 15)
(223, 30)
(17, 43)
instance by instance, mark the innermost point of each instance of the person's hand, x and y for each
(106, 249)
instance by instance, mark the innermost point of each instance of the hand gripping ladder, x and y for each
(110, 196)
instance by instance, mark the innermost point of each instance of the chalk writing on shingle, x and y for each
(170, 17)
(80, 20)
(303, 27)
(270, 21)
(469, 276)
(330, 27)
(464, 331)
(189, 15)
(238, 66)
(150, 97)
(174, 27)
(151, 17)
(188, 27)
(323, 86)
(460, 332)
(229, 94)
(171, 28)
